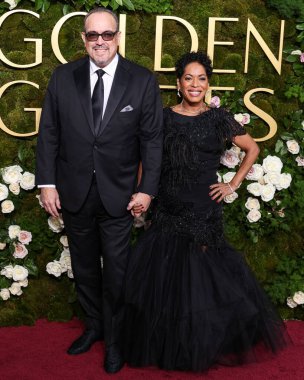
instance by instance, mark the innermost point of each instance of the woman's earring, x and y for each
(178, 93)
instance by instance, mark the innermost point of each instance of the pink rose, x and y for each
(246, 118)
(215, 102)
(300, 161)
(230, 158)
(20, 251)
(302, 57)
(25, 237)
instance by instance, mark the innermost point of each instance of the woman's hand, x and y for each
(220, 190)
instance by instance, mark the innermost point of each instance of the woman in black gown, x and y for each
(191, 299)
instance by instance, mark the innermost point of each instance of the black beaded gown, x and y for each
(191, 299)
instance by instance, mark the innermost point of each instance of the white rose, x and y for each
(23, 283)
(7, 271)
(70, 273)
(7, 207)
(291, 303)
(231, 197)
(12, 174)
(219, 178)
(14, 188)
(40, 203)
(64, 241)
(293, 146)
(272, 177)
(25, 237)
(228, 176)
(54, 268)
(15, 289)
(230, 158)
(5, 294)
(2, 246)
(302, 124)
(272, 164)
(12, 4)
(3, 192)
(13, 231)
(19, 273)
(20, 251)
(55, 223)
(238, 117)
(296, 52)
(300, 161)
(27, 181)
(65, 261)
(252, 204)
(267, 192)
(236, 149)
(254, 188)
(255, 173)
(284, 181)
(253, 215)
(298, 297)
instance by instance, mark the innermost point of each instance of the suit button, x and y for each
(95, 146)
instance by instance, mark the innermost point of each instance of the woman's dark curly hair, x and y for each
(198, 57)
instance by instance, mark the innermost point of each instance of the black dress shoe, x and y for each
(84, 342)
(113, 359)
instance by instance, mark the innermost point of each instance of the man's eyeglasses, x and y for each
(106, 36)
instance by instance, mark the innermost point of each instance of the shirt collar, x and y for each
(109, 69)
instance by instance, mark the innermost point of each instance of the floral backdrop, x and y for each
(263, 217)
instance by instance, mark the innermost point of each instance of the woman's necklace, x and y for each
(197, 112)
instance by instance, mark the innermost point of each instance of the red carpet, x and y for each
(38, 353)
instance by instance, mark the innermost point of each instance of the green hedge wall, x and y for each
(275, 257)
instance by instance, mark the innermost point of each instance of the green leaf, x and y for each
(38, 4)
(113, 5)
(4, 282)
(286, 136)
(300, 27)
(278, 146)
(5, 5)
(292, 58)
(66, 9)
(31, 266)
(119, 2)
(45, 6)
(129, 5)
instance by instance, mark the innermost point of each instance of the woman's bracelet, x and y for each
(230, 187)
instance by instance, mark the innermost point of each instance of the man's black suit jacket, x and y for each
(68, 152)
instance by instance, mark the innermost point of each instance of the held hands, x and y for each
(220, 190)
(139, 203)
(49, 197)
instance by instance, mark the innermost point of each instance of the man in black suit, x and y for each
(96, 127)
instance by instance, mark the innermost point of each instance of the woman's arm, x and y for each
(251, 149)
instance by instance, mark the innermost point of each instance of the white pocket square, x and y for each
(127, 109)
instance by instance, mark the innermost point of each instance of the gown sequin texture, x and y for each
(191, 299)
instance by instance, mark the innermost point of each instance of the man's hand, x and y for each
(49, 197)
(139, 203)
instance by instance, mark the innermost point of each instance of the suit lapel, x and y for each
(118, 89)
(82, 80)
